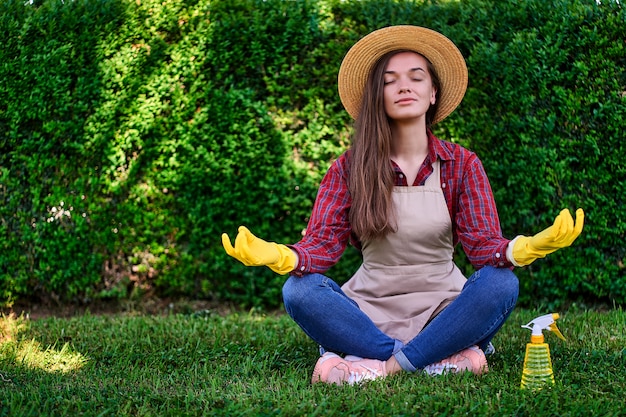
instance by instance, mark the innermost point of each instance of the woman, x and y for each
(404, 198)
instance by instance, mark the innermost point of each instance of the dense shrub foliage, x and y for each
(133, 133)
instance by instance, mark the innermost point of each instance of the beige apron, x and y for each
(409, 276)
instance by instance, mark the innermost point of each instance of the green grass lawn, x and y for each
(260, 365)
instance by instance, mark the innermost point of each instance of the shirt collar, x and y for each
(436, 149)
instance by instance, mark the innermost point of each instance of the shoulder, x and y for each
(453, 152)
(341, 164)
(338, 170)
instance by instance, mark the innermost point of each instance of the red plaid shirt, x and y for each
(466, 188)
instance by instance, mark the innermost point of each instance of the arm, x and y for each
(328, 230)
(478, 226)
(322, 246)
(476, 219)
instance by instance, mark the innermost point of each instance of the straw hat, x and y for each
(439, 50)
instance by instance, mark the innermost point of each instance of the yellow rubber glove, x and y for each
(560, 235)
(252, 251)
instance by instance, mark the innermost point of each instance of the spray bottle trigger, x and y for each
(556, 331)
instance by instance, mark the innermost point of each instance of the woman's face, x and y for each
(408, 90)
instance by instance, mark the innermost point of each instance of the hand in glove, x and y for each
(560, 235)
(252, 251)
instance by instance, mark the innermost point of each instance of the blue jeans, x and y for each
(333, 320)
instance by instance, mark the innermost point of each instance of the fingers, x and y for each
(227, 246)
(558, 226)
(242, 238)
(578, 227)
(566, 225)
(560, 235)
(580, 220)
(244, 230)
(240, 249)
(250, 250)
(568, 231)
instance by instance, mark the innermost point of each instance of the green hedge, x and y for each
(133, 133)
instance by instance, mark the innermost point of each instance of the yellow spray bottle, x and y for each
(537, 371)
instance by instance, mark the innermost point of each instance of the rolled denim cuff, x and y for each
(404, 361)
(397, 346)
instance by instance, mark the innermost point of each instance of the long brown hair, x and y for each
(371, 176)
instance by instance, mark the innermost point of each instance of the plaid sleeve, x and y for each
(328, 230)
(477, 222)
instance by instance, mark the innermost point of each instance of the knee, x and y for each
(508, 284)
(291, 289)
(297, 290)
(502, 283)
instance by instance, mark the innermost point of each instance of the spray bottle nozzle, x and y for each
(539, 324)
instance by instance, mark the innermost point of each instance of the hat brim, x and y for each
(438, 49)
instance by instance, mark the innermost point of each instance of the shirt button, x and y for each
(498, 255)
(302, 268)
(443, 185)
(401, 175)
(501, 264)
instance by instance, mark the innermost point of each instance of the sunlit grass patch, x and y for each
(10, 326)
(31, 353)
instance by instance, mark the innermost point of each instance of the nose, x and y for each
(404, 85)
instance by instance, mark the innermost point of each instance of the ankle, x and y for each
(392, 366)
